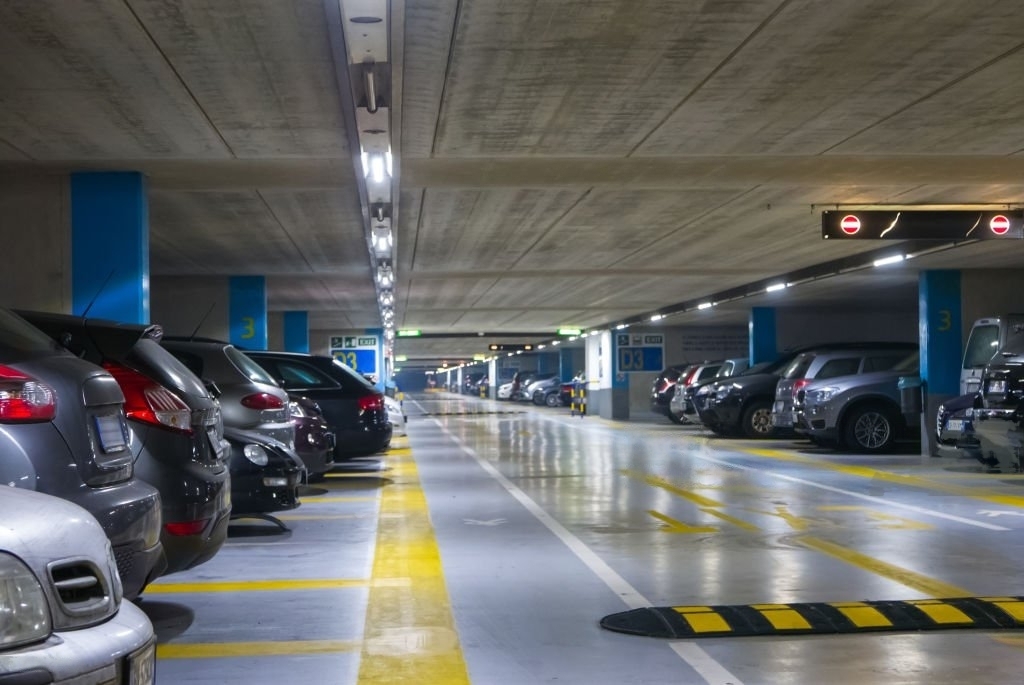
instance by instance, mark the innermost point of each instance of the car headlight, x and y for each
(296, 411)
(703, 390)
(256, 455)
(821, 395)
(24, 611)
(724, 392)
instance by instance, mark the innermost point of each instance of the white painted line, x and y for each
(849, 493)
(699, 660)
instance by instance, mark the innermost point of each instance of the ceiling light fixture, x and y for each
(895, 259)
(775, 287)
(705, 305)
(622, 327)
(657, 317)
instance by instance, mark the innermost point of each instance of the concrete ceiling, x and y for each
(561, 161)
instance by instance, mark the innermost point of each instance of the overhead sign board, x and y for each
(503, 347)
(639, 352)
(922, 225)
(357, 351)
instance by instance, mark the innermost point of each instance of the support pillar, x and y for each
(492, 379)
(939, 315)
(296, 331)
(565, 370)
(762, 335)
(248, 312)
(110, 246)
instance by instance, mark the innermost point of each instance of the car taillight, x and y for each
(800, 385)
(689, 376)
(23, 398)
(371, 402)
(186, 527)
(262, 400)
(147, 401)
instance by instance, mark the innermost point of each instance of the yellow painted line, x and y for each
(410, 634)
(1013, 608)
(862, 615)
(782, 617)
(159, 588)
(327, 500)
(706, 622)
(733, 520)
(895, 478)
(942, 613)
(886, 521)
(795, 522)
(659, 482)
(222, 650)
(912, 579)
(674, 526)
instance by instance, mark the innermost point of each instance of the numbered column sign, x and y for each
(357, 351)
(634, 358)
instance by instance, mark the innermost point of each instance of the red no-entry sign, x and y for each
(999, 224)
(850, 224)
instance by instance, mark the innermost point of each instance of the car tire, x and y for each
(870, 429)
(757, 420)
(552, 399)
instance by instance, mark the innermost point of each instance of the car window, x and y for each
(296, 374)
(707, 372)
(248, 367)
(17, 335)
(982, 345)
(799, 366)
(348, 378)
(838, 367)
(882, 362)
(910, 365)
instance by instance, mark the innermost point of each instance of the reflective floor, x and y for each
(488, 550)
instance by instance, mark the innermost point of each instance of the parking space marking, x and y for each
(322, 517)
(733, 520)
(159, 588)
(674, 526)
(886, 521)
(668, 486)
(225, 650)
(410, 634)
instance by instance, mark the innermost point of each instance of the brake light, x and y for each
(800, 385)
(262, 400)
(690, 375)
(23, 398)
(373, 402)
(147, 401)
(186, 527)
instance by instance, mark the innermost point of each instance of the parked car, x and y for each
(64, 619)
(65, 433)
(858, 411)
(396, 415)
(352, 407)
(988, 338)
(954, 426)
(823, 364)
(681, 404)
(998, 417)
(314, 439)
(664, 388)
(743, 405)
(250, 398)
(547, 391)
(265, 473)
(177, 421)
(471, 382)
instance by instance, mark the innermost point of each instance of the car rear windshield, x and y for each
(167, 369)
(799, 366)
(251, 369)
(19, 337)
(349, 378)
(982, 345)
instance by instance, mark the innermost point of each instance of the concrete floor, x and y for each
(487, 549)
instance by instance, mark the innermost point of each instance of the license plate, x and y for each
(141, 666)
(955, 425)
(111, 433)
(997, 386)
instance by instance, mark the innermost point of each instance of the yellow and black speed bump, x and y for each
(983, 613)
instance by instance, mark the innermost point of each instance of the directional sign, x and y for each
(922, 225)
(357, 351)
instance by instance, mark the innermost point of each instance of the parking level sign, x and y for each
(631, 359)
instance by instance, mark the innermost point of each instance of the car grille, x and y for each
(83, 593)
(124, 555)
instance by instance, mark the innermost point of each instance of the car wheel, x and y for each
(538, 400)
(552, 399)
(757, 420)
(869, 428)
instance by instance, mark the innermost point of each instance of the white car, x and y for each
(396, 415)
(61, 610)
(505, 391)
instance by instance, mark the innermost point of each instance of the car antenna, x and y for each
(98, 293)
(202, 321)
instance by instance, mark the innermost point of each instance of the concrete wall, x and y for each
(275, 330)
(179, 303)
(797, 327)
(36, 215)
(989, 293)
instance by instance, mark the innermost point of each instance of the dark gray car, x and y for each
(65, 434)
(175, 418)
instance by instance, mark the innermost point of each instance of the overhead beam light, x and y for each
(776, 287)
(895, 259)
(705, 305)
(657, 317)
(569, 331)
(622, 327)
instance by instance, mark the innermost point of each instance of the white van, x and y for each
(987, 338)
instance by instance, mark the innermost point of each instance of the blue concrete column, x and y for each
(247, 312)
(939, 321)
(762, 335)
(296, 331)
(565, 369)
(110, 246)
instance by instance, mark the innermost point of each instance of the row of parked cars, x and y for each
(161, 441)
(543, 389)
(845, 395)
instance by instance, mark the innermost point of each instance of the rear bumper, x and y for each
(359, 443)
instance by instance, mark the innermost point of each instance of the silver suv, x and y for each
(816, 365)
(62, 612)
(860, 412)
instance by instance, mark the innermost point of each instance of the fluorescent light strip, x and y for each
(895, 259)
